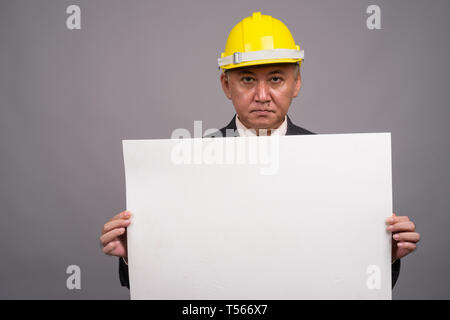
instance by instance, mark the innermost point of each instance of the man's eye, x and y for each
(247, 79)
(276, 79)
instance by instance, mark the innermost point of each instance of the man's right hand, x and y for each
(114, 235)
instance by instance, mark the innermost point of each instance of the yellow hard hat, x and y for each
(259, 39)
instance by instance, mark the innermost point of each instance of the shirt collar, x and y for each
(245, 132)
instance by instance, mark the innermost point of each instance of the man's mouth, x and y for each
(262, 111)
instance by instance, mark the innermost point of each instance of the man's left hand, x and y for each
(404, 236)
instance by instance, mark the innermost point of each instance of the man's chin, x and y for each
(264, 123)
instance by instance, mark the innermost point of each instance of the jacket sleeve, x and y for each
(395, 272)
(123, 274)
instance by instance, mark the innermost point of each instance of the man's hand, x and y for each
(404, 237)
(114, 235)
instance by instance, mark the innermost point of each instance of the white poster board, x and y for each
(292, 217)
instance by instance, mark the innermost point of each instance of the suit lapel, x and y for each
(230, 127)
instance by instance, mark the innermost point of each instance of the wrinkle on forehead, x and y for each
(278, 69)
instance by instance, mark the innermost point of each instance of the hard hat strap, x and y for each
(239, 57)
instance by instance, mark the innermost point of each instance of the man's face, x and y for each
(262, 94)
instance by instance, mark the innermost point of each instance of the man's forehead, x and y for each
(266, 69)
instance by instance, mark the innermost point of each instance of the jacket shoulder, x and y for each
(293, 129)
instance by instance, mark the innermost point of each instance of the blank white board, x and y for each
(291, 217)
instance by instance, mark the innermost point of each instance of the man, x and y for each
(261, 75)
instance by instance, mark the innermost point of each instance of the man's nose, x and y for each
(262, 94)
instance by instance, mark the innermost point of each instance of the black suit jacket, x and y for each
(231, 130)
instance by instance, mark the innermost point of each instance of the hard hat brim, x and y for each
(260, 62)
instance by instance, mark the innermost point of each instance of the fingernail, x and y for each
(389, 220)
(390, 228)
(126, 214)
(396, 236)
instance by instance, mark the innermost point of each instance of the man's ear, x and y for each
(298, 83)
(224, 80)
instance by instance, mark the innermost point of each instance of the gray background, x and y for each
(139, 69)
